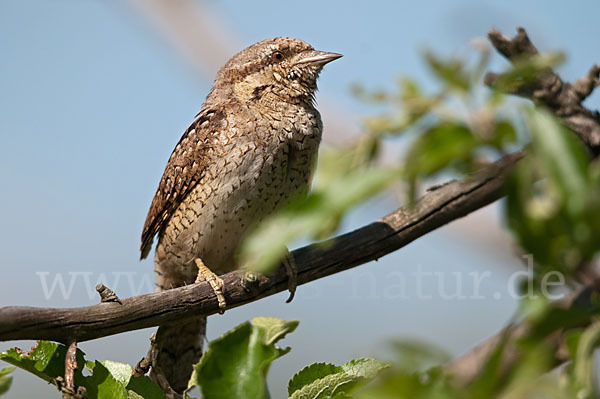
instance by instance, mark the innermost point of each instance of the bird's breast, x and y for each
(259, 166)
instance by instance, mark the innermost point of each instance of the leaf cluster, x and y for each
(104, 379)
(235, 365)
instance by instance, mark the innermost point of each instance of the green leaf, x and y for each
(274, 328)
(134, 395)
(416, 356)
(584, 370)
(365, 367)
(310, 374)
(111, 379)
(144, 387)
(102, 384)
(443, 145)
(504, 135)
(46, 360)
(6, 370)
(433, 384)
(487, 382)
(372, 97)
(409, 88)
(120, 371)
(562, 156)
(323, 380)
(526, 70)
(535, 360)
(236, 364)
(5, 379)
(553, 197)
(572, 338)
(451, 72)
(557, 318)
(438, 147)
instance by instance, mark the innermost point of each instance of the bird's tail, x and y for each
(175, 351)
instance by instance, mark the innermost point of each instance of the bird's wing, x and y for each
(185, 168)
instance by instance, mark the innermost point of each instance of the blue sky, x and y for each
(93, 101)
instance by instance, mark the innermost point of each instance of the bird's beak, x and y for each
(318, 58)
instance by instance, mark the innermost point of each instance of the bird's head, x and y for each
(282, 68)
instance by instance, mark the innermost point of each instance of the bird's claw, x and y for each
(292, 272)
(216, 283)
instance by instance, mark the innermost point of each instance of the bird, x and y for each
(252, 147)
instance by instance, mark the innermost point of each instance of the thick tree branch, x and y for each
(435, 209)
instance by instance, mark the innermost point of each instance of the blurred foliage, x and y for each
(554, 198)
(5, 379)
(534, 370)
(413, 356)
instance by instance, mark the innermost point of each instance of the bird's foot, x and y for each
(216, 283)
(292, 272)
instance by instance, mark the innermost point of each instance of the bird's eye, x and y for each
(277, 56)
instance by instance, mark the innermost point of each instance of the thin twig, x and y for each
(70, 368)
(106, 294)
(143, 366)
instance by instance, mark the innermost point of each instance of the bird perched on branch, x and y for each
(252, 146)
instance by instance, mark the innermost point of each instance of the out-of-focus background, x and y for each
(95, 94)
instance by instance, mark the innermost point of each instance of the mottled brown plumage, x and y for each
(251, 147)
(184, 169)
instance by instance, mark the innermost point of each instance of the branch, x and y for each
(70, 368)
(466, 368)
(435, 209)
(562, 98)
